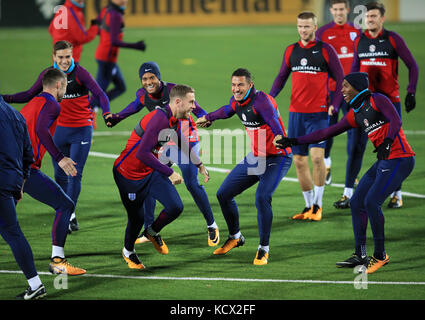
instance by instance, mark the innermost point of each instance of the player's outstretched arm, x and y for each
(282, 142)
(202, 122)
(25, 96)
(221, 113)
(111, 119)
(115, 30)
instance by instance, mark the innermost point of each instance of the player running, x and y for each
(376, 52)
(265, 164)
(16, 157)
(377, 117)
(311, 63)
(74, 31)
(155, 92)
(41, 114)
(74, 128)
(111, 24)
(139, 173)
(340, 34)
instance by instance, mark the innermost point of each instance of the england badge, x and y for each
(132, 196)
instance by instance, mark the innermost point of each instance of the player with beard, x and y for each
(139, 173)
(41, 114)
(156, 93)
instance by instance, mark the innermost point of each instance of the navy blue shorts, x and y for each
(300, 124)
(134, 192)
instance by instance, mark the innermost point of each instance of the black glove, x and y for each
(410, 102)
(17, 195)
(286, 142)
(111, 121)
(94, 22)
(140, 45)
(383, 150)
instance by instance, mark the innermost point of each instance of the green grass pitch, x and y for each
(302, 254)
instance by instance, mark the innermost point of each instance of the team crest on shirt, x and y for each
(132, 196)
(372, 48)
(344, 50)
(304, 61)
(353, 35)
(366, 123)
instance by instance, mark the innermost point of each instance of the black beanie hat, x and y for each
(358, 80)
(151, 67)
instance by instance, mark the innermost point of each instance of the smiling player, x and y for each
(265, 164)
(74, 129)
(156, 93)
(377, 117)
(139, 173)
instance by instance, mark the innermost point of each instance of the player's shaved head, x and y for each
(55, 82)
(51, 77)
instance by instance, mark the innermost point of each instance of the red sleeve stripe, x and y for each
(393, 43)
(142, 99)
(325, 54)
(350, 118)
(144, 122)
(233, 105)
(288, 53)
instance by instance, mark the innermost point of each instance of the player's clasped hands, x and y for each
(68, 166)
(282, 142)
(202, 122)
(111, 119)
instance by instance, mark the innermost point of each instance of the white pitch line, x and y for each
(111, 133)
(111, 276)
(127, 133)
(221, 170)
